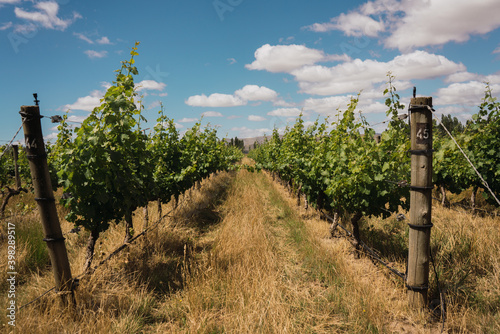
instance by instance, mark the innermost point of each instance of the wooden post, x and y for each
(417, 279)
(44, 196)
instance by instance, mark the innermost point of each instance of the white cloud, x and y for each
(178, 126)
(50, 137)
(445, 21)
(493, 78)
(497, 50)
(352, 24)
(5, 26)
(462, 76)
(86, 103)
(92, 54)
(362, 74)
(327, 105)
(214, 100)
(76, 119)
(256, 93)
(154, 105)
(239, 98)
(211, 114)
(283, 103)
(406, 25)
(150, 85)
(244, 132)
(46, 16)
(106, 85)
(9, 2)
(103, 40)
(187, 120)
(286, 58)
(231, 61)
(256, 118)
(83, 37)
(331, 105)
(287, 40)
(469, 93)
(286, 112)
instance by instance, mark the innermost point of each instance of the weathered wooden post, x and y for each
(44, 196)
(417, 279)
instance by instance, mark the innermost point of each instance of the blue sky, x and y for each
(246, 66)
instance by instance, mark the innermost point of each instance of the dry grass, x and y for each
(122, 295)
(238, 256)
(466, 249)
(252, 280)
(366, 297)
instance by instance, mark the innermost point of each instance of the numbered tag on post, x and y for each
(423, 133)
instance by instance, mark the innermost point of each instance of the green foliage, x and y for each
(110, 166)
(452, 124)
(7, 168)
(343, 170)
(480, 142)
(103, 163)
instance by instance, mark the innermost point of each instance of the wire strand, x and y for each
(468, 160)
(115, 252)
(10, 142)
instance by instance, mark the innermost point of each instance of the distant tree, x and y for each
(451, 123)
(239, 143)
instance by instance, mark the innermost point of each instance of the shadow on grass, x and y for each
(162, 262)
(390, 240)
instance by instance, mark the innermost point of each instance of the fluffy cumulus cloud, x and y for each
(286, 112)
(214, 100)
(405, 25)
(188, 120)
(330, 106)
(89, 102)
(286, 58)
(256, 118)
(362, 74)
(150, 85)
(86, 103)
(103, 40)
(211, 114)
(256, 93)
(461, 77)
(239, 98)
(463, 93)
(46, 16)
(445, 21)
(352, 24)
(351, 75)
(327, 105)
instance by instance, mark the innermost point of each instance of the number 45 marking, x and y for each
(423, 133)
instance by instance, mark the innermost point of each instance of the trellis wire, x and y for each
(10, 142)
(115, 252)
(468, 160)
(370, 251)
